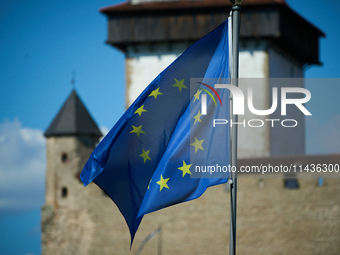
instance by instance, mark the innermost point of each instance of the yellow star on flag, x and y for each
(140, 110)
(197, 95)
(180, 85)
(155, 93)
(162, 183)
(149, 184)
(145, 155)
(185, 168)
(137, 130)
(197, 144)
(198, 117)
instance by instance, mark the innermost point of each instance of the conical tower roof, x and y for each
(73, 119)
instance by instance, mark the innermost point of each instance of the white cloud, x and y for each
(22, 167)
(104, 131)
(323, 137)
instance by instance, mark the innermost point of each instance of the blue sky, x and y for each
(43, 42)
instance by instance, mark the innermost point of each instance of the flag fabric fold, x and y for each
(146, 161)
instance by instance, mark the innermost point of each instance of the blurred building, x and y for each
(275, 216)
(274, 42)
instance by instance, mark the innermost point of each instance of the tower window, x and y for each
(64, 192)
(291, 183)
(64, 157)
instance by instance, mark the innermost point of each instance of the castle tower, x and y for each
(275, 42)
(71, 138)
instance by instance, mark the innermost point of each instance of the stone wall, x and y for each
(270, 220)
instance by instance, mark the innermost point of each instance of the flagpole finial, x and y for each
(236, 2)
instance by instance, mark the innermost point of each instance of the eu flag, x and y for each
(146, 162)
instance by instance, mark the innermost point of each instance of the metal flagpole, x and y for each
(235, 20)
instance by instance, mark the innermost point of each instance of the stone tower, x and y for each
(71, 138)
(275, 42)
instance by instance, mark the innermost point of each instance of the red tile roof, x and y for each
(182, 4)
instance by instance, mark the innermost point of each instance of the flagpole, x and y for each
(235, 20)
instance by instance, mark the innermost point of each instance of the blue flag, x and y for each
(148, 159)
